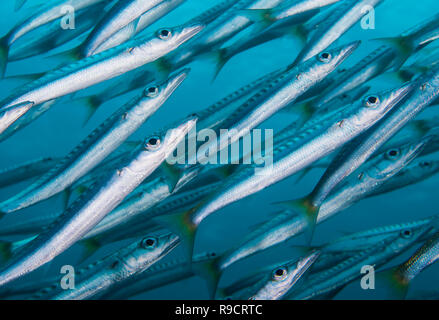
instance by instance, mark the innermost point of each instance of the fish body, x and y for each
(93, 206)
(129, 262)
(93, 70)
(97, 146)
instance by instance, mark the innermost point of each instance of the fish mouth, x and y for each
(417, 149)
(176, 80)
(173, 240)
(400, 94)
(190, 31)
(347, 50)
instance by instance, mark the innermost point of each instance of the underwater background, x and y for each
(62, 128)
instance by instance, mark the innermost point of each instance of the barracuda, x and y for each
(93, 206)
(288, 224)
(283, 278)
(25, 171)
(329, 282)
(359, 150)
(343, 17)
(310, 145)
(275, 96)
(45, 15)
(140, 24)
(93, 70)
(127, 263)
(97, 146)
(122, 13)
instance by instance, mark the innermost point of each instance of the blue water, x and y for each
(59, 131)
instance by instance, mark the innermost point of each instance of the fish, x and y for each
(283, 278)
(397, 279)
(93, 206)
(360, 149)
(129, 262)
(97, 146)
(273, 97)
(120, 15)
(343, 17)
(47, 38)
(285, 225)
(310, 145)
(156, 276)
(25, 171)
(93, 70)
(256, 38)
(41, 17)
(328, 283)
(145, 20)
(267, 17)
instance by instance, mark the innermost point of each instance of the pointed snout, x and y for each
(343, 52)
(176, 80)
(171, 240)
(190, 31)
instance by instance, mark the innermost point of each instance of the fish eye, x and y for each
(406, 233)
(151, 92)
(114, 264)
(280, 274)
(325, 57)
(152, 143)
(372, 101)
(425, 164)
(392, 154)
(148, 243)
(164, 34)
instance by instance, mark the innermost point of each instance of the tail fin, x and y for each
(401, 76)
(181, 224)
(263, 17)
(163, 67)
(220, 59)
(19, 4)
(393, 284)
(70, 55)
(402, 46)
(4, 54)
(90, 247)
(92, 103)
(307, 210)
(300, 33)
(305, 110)
(173, 174)
(211, 272)
(5, 251)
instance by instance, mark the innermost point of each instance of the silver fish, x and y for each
(343, 17)
(120, 15)
(131, 261)
(93, 70)
(25, 171)
(97, 146)
(135, 27)
(311, 145)
(93, 206)
(45, 15)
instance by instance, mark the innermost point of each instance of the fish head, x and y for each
(159, 146)
(160, 92)
(176, 36)
(145, 252)
(330, 59)
(394, 160)
(374, 107)
(409, 236)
